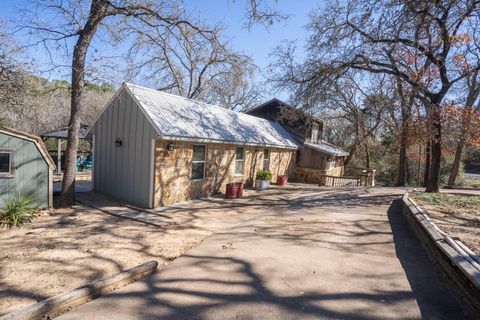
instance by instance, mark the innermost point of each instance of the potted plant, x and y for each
(263, 178)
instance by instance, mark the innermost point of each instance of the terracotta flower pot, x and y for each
(234, 190)
(282, 180)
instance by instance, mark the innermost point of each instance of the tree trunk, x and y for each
(402, 163)
(351, 153)
(367, 155)
(426, 172)
(456, 162)
(408, 174)
(433, 184)
(419, 164)
(403, 159)
(97, 12)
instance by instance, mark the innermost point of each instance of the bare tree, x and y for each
(186, 62)
(262, 12)
(406, 99)
(468, 118)
(14, 66)
(72, 26)
(345, 98)
(416, 41)
(363, 108)
(470, 90)
(75, 25)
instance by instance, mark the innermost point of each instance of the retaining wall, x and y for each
(459, 263)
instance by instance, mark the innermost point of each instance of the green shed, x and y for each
(26, 168)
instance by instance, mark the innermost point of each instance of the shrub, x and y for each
(16, 211)
(264, 175)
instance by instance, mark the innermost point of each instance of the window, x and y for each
(266, 159)
(315, 132)
(239, 160)
(198, 162)
(6, 164)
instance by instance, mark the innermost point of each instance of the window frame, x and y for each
(315, 129)
(266, 159)
(239, 160)
(11, 165)
(204, 161)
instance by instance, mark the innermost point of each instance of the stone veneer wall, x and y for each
(173, 169)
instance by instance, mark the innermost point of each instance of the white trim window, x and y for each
(7, 163)
(239, 160)
(198, 162)
(315, 129)
(266, 159)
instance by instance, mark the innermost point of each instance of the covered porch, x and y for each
(58, 139)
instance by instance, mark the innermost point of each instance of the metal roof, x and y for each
(179, 118)
(282, 103)
(62, 133)
(32, 138)
(328, 148)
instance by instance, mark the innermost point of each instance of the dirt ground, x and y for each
(68, 248)
(456, 214)
(72, 247)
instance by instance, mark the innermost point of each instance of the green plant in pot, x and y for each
(262, 181)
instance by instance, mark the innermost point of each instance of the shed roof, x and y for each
(32, 138)
(328, 148)
(63, 133)
(179, 118)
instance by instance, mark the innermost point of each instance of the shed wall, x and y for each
(173, 181)
(31, 176)
(124, 172)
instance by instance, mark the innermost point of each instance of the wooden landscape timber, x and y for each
(66, 301)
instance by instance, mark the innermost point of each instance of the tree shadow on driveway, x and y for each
(292, 264)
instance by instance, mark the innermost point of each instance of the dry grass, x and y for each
(471, 183)
(456, 214)
(75, 246)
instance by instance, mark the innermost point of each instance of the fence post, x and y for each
(371, 177)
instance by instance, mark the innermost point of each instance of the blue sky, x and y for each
(257, 42)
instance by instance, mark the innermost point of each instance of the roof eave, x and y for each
(330, 153)
(219, 141)
(36, 140)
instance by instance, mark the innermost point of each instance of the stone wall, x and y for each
(173, 181)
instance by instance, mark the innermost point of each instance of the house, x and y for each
(153, 148)
(26, 168)
(315, 157)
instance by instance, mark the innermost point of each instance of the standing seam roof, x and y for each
(328, 148)
(179, 118)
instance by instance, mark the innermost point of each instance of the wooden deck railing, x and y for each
(366, 179)
(334, 181)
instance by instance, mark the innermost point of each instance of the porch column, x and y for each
(59, 156)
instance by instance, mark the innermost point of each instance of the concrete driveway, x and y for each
(307, 253)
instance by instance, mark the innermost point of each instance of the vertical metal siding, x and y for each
(31, 171)
(124, 172)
